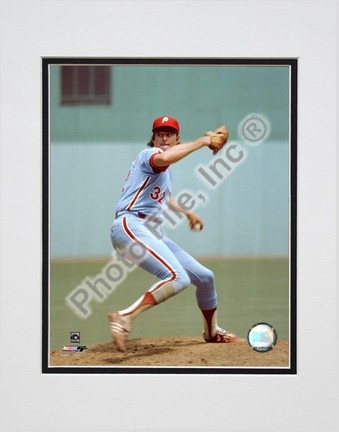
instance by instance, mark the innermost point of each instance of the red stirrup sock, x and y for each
(210, 322)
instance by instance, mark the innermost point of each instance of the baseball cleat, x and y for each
(223, 336)
(120, 329)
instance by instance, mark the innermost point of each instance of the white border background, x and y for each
(33, 29)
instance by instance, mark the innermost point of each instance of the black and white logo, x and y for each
(74, 337)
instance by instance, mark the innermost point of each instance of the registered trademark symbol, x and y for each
(254, 129)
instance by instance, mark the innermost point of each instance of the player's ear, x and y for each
(178, 139)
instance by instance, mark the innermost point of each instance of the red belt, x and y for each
(140, 215)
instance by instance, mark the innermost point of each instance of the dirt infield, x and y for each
(174, 351)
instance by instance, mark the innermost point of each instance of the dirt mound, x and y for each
(174, 351)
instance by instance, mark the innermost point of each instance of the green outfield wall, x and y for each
(245, 204)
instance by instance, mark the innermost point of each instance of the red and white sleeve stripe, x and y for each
(155, 168)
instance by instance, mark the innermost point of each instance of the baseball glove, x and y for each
(218, 137)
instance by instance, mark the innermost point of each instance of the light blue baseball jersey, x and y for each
(146, 191)
(147, 188)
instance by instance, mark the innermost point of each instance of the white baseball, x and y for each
(197, 227)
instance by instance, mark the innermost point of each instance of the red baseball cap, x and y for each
(166, 121)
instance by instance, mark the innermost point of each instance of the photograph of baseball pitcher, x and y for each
(154, 158)
(146, 192)
(169, 215)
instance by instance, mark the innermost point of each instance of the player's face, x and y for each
(165, 138)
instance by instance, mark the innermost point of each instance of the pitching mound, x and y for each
(174, 351)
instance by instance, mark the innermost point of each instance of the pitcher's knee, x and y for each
(207, 277)
(182, 280)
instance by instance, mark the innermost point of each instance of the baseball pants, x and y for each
(163, 258)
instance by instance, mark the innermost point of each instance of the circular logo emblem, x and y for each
(262, 337)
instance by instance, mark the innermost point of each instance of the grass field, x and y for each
(249, 291)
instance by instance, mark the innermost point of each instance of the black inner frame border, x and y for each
(275, 61)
